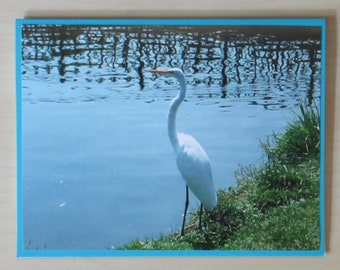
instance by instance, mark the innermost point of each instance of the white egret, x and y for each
(192, 161)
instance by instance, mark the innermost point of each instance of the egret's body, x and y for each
(194, 165)
(192, 161)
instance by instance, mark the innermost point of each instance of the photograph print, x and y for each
(170, 137)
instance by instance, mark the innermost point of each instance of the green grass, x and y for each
(299, 142)
(288, 227)
(272, 207)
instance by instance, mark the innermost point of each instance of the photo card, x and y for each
(170, 137)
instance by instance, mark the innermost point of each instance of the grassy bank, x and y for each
(272, 207)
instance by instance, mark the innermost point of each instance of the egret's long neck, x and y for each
(174, 105)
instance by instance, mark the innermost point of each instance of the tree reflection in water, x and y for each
(269, 64)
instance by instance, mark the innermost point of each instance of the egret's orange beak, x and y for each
(158, 71)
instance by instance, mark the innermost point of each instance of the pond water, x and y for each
(98, 169)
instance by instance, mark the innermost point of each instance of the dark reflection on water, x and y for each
(271, 66)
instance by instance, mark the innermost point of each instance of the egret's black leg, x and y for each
(200, 220)
(185, 209)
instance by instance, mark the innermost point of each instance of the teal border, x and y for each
(316, 22)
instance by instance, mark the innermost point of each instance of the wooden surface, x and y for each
(12, 9)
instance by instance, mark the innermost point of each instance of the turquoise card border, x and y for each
(316, 22)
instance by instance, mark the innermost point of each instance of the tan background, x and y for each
(12, 9)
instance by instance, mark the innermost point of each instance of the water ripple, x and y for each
(225, 61)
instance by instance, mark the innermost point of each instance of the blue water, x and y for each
(98, 168)
(98, 174)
